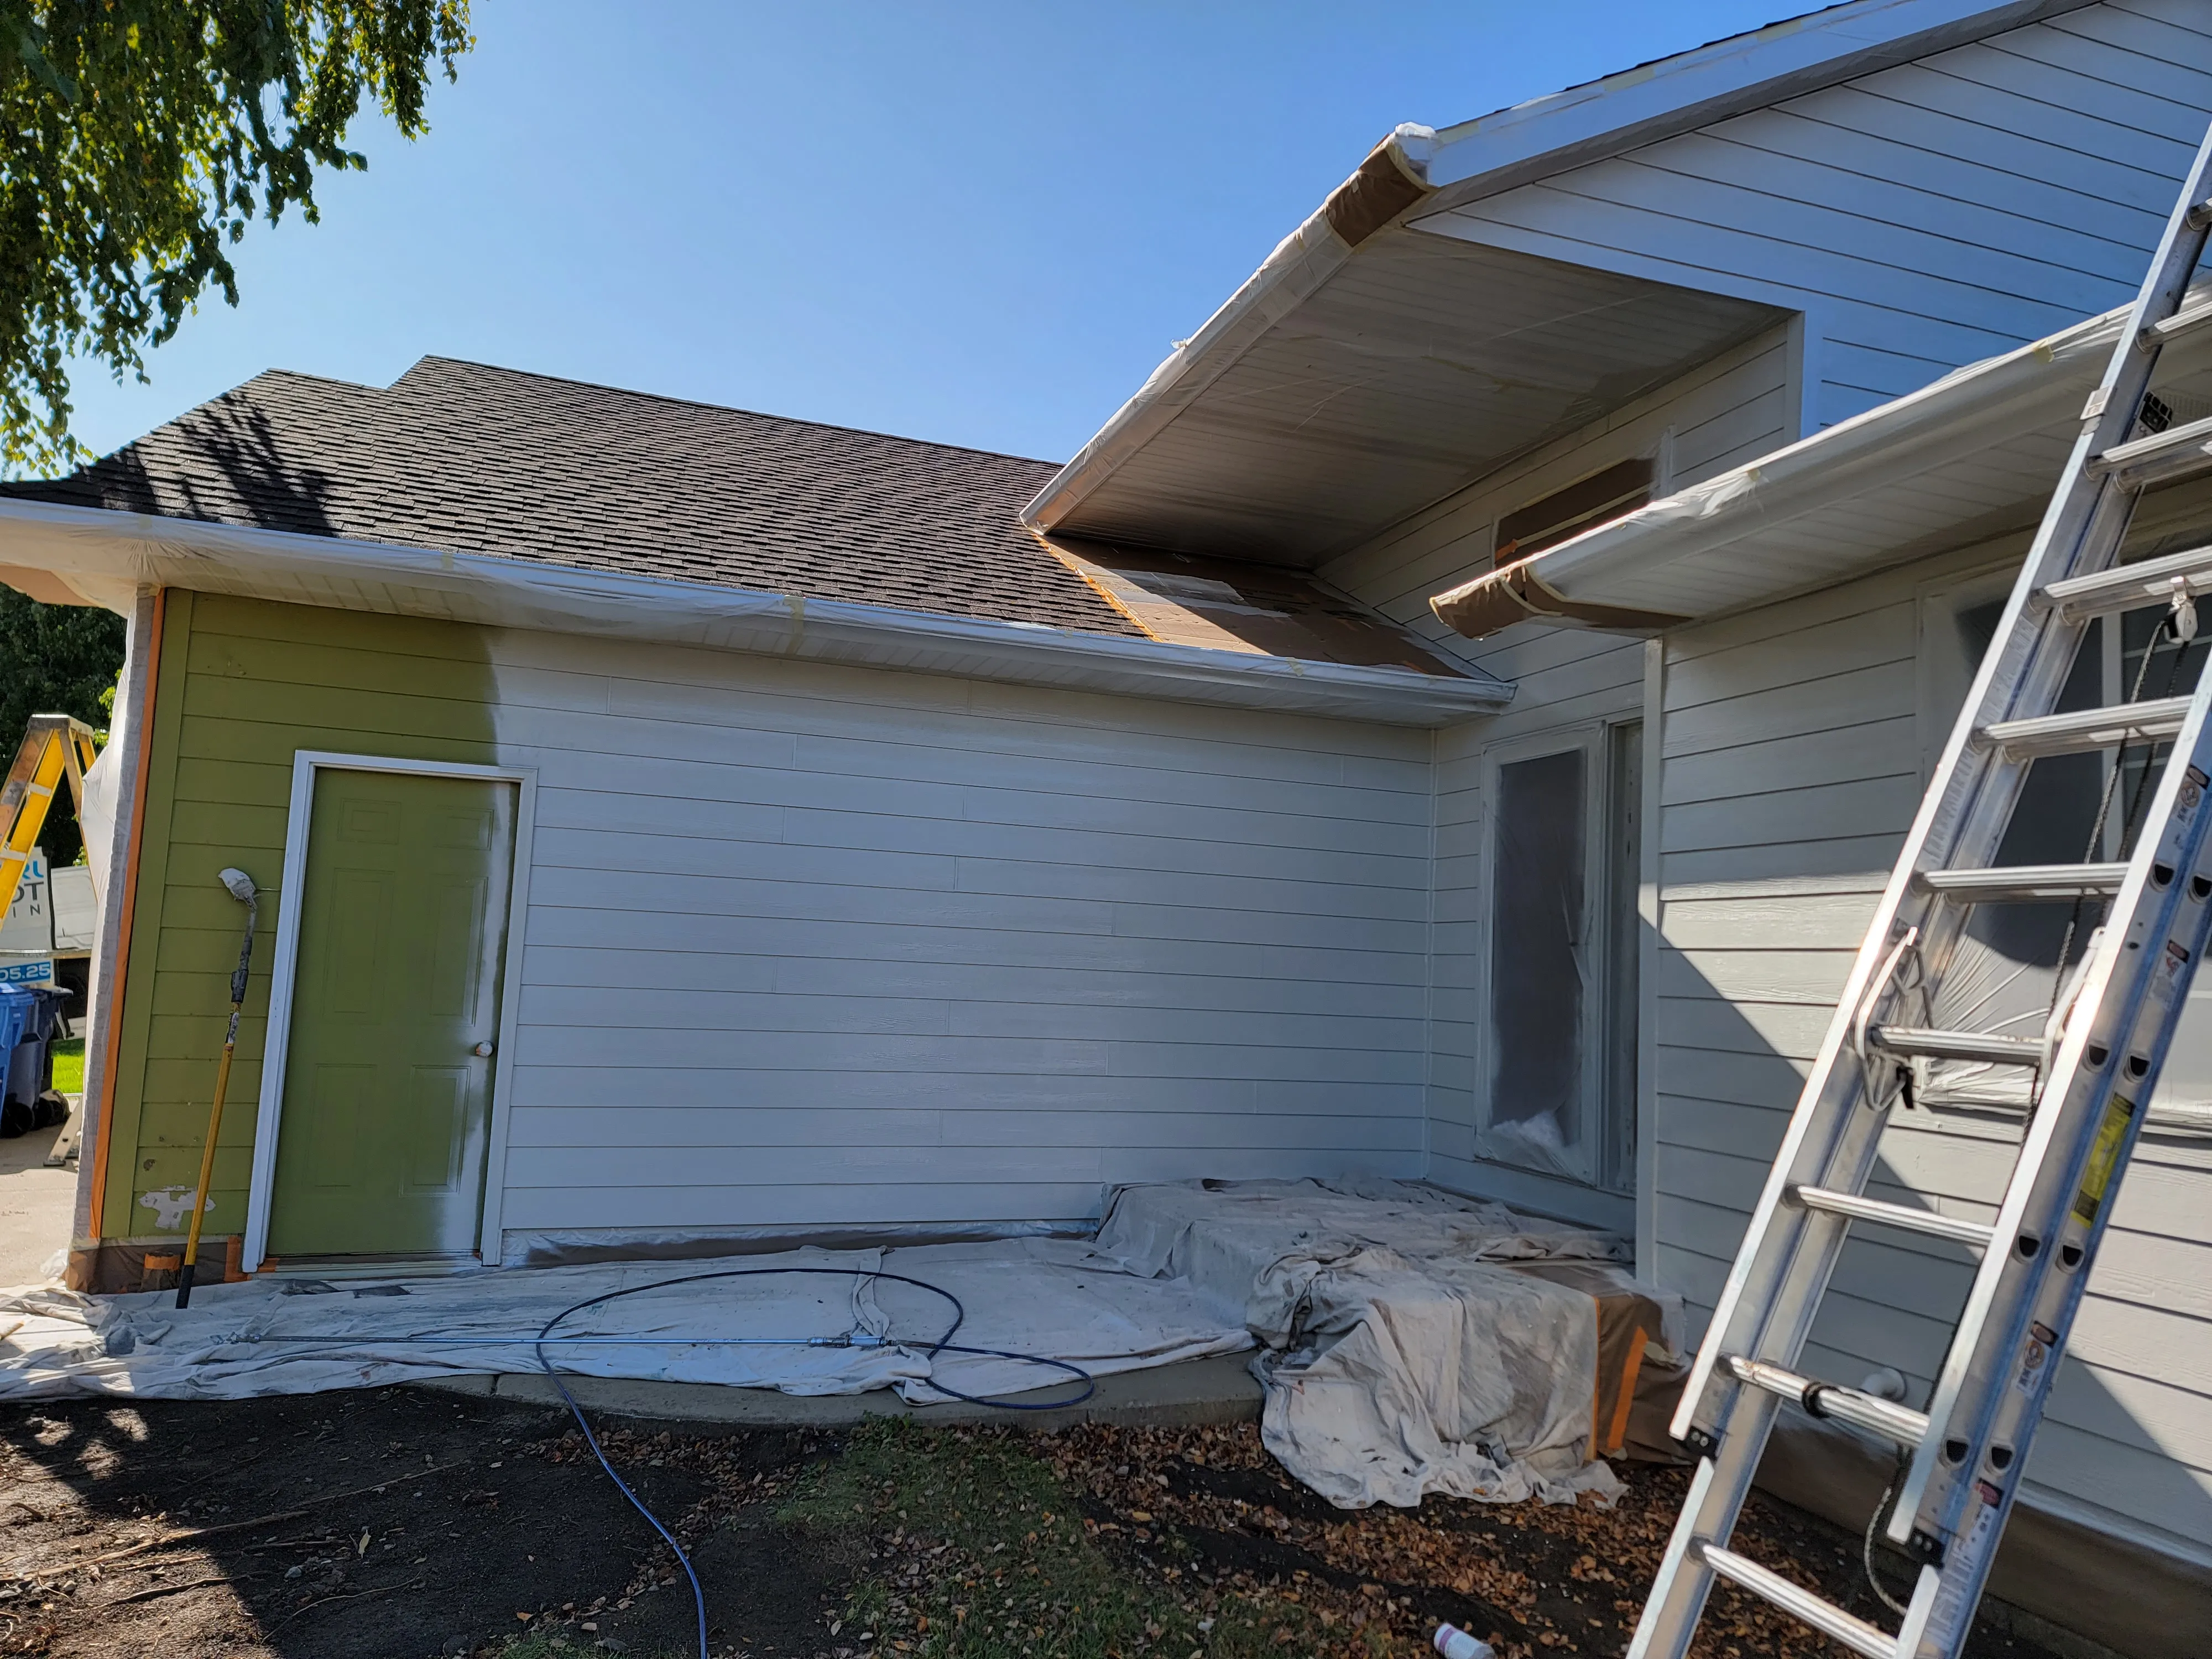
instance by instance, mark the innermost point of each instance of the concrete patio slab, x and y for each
(1216, 1389)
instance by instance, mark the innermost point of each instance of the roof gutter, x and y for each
(2038, 386)
(1389, 183)
(88, 556)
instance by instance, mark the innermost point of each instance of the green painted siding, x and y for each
(243, 685)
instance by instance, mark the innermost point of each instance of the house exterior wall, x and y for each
(1922, 217)
(1740, 405)
(809, 946)
(1794, 743)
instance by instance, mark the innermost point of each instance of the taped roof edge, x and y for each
(1962, 415)
(1418, 170)
(101, 557)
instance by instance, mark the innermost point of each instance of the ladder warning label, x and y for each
(1962, 1568)
(2042, 1342)
(2104, 1159)
(2172, 968)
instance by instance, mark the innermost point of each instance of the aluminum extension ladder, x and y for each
(2096, 1063)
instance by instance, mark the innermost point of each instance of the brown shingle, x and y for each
(463, 457)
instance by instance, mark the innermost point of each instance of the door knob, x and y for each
(483, 1051)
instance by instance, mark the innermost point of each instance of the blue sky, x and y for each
(981, 223)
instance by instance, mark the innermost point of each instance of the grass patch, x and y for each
(981, 1553)
(68, 1066)
(558, 1646)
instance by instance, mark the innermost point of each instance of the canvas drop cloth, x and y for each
(1047, 1297)
(1412, 1340)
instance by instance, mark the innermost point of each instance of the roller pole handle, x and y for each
(240, 887)
(207, 1166)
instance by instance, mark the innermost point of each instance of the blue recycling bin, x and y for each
(30, 1019)
(18, 1007)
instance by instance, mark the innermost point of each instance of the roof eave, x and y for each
(105, 557)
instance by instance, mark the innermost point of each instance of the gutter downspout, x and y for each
(1391, 182)
(1517, 593)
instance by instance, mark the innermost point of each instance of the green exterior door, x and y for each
(403, 943)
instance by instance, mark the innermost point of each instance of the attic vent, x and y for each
(1602, 496)
(2164, 410)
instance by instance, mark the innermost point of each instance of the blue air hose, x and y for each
(943, 1345)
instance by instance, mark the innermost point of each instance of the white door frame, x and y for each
(284, 971)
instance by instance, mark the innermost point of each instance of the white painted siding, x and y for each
(1739, 406)
(809, 945)
(1792, 769)
(1922, 217)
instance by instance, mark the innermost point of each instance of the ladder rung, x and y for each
(2186, 320)
(1853, 1632)
(2127, 586)
(2179, 451)
(2087, 729)
(2026, 883)
(1869, 1412)
(1893, 1215)
(1918, 1043)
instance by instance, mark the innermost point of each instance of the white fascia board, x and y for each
(1709, 83)
(106, 557)
(1960, 416)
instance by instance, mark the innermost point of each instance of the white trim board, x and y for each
(283, 975)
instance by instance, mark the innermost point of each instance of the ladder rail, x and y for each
(55, 747)
(2122, 1045)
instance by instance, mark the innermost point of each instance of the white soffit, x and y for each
(88, 556)
(1973, 454)
(1361, 373)
(1421, 364)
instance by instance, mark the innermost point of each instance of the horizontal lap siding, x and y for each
(1926, 215)
(1792, 741)
(242, 686)
(811, 946)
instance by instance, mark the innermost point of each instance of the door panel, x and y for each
(387, 1108)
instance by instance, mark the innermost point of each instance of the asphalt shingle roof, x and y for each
(462, 458)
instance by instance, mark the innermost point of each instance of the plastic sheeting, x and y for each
(1405, 1351)
(1050, 1298)
(1404, 1354)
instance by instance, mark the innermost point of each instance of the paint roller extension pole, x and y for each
(241, 887)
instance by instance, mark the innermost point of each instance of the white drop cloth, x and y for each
(1046, 1296)
(1402, 1356)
